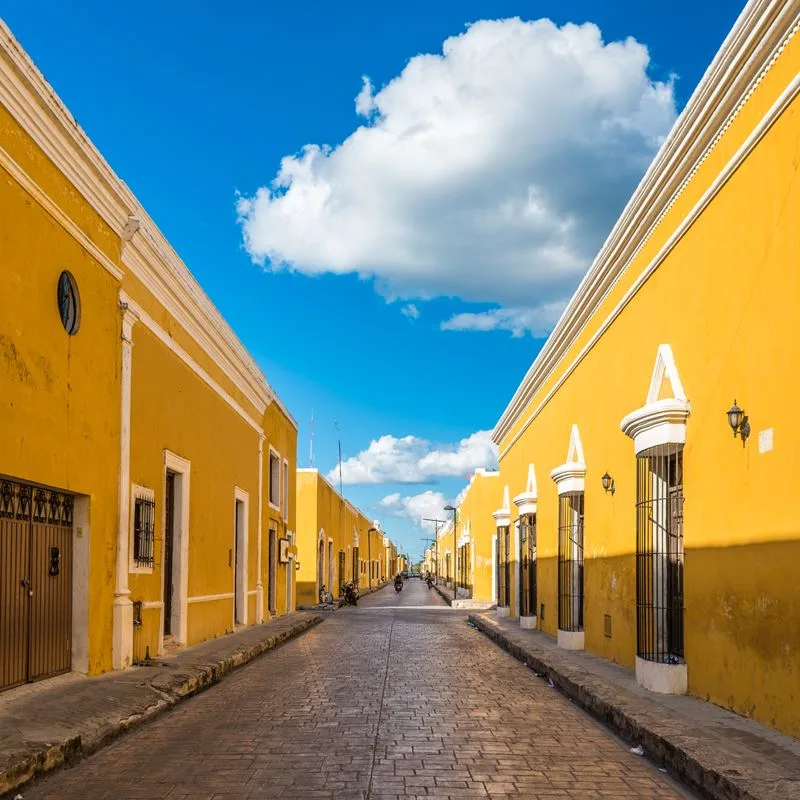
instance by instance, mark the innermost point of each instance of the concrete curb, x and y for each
(684, 763)
(446, 597)
(200, 677)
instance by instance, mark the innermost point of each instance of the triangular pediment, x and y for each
(665, 382)
(506, 500)
(575, 452)
(530, 487)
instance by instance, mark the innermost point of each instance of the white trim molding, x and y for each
(661, 420)
(662, 678)
(757, 39)
(139, 493)
(260, 533)
(571, 640)
(526, 501)
(273, 453)
(209, 598)
(571, 475)
(122, 615)
(172, 345)
(502, 517)
(180, 548)
(241, 523)
(146, 253)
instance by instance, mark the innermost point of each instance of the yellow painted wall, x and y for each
(61, 403)
(59, 394)
(484, 496)
(282, 435)
(321, 508)
(721, 300)
(172, 409)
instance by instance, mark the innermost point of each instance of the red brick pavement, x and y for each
(388, 700)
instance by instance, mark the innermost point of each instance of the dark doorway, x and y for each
(169, 542)
(272, 593)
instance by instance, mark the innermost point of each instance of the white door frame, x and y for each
(180, 547)
(241, 516)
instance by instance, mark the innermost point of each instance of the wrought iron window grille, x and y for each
(144, 532)
(570, 561)
(659, 557)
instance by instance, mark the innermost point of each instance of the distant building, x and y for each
(336, 543)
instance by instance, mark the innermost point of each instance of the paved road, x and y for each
(396, 698)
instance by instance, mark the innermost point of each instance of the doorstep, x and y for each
(46, 725)
(721, 754)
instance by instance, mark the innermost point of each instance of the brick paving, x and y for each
(398, 698)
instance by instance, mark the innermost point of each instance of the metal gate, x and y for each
(504, 572)
(527, 548)
(659, 556)
(570, 562)
(35, 583)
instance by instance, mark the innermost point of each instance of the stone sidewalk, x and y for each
(46, 725)
(714, 751)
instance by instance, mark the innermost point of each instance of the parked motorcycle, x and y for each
(350, 591)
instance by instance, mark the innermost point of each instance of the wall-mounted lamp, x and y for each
(297, 565)
(738, 421)
(608, 484)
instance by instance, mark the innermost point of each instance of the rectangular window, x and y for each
(144, 514)
(274, 479)
(285, 495)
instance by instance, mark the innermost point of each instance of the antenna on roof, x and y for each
(311, 442)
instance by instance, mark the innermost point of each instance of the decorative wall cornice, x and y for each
(757, 38)
(146, 253)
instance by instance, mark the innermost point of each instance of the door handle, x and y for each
(26, 584)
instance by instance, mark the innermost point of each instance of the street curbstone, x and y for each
(169, 689)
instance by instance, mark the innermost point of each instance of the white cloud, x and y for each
(426, 505)
(537, 321)
(410, 311)
(490, 172)
(410, 459)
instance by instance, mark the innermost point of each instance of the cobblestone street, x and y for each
(379, 702)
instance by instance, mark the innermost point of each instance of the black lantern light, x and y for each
(608, 483)
(738, 421)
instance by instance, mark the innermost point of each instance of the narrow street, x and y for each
(396, 698)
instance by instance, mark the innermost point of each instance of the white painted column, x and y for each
(122, 643)
(259, 581)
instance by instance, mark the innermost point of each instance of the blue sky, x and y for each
(410, 300)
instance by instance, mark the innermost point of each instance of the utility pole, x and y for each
(437, 523)
(339, 439)
(455, 548)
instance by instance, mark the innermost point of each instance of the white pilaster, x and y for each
(122, 643)
(259, 581)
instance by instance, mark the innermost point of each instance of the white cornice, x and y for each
(569, 477)
(749, 50)
(141, 315)
(34, 104)
(655, 424)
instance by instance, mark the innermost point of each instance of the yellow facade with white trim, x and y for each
(153, 381)
(336, 542)
(704, 260)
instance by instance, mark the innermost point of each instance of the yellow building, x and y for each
(336, 542)
(147, 464)
(662, 536)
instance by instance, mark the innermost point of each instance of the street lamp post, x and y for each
(455, 547)
(437, 523)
